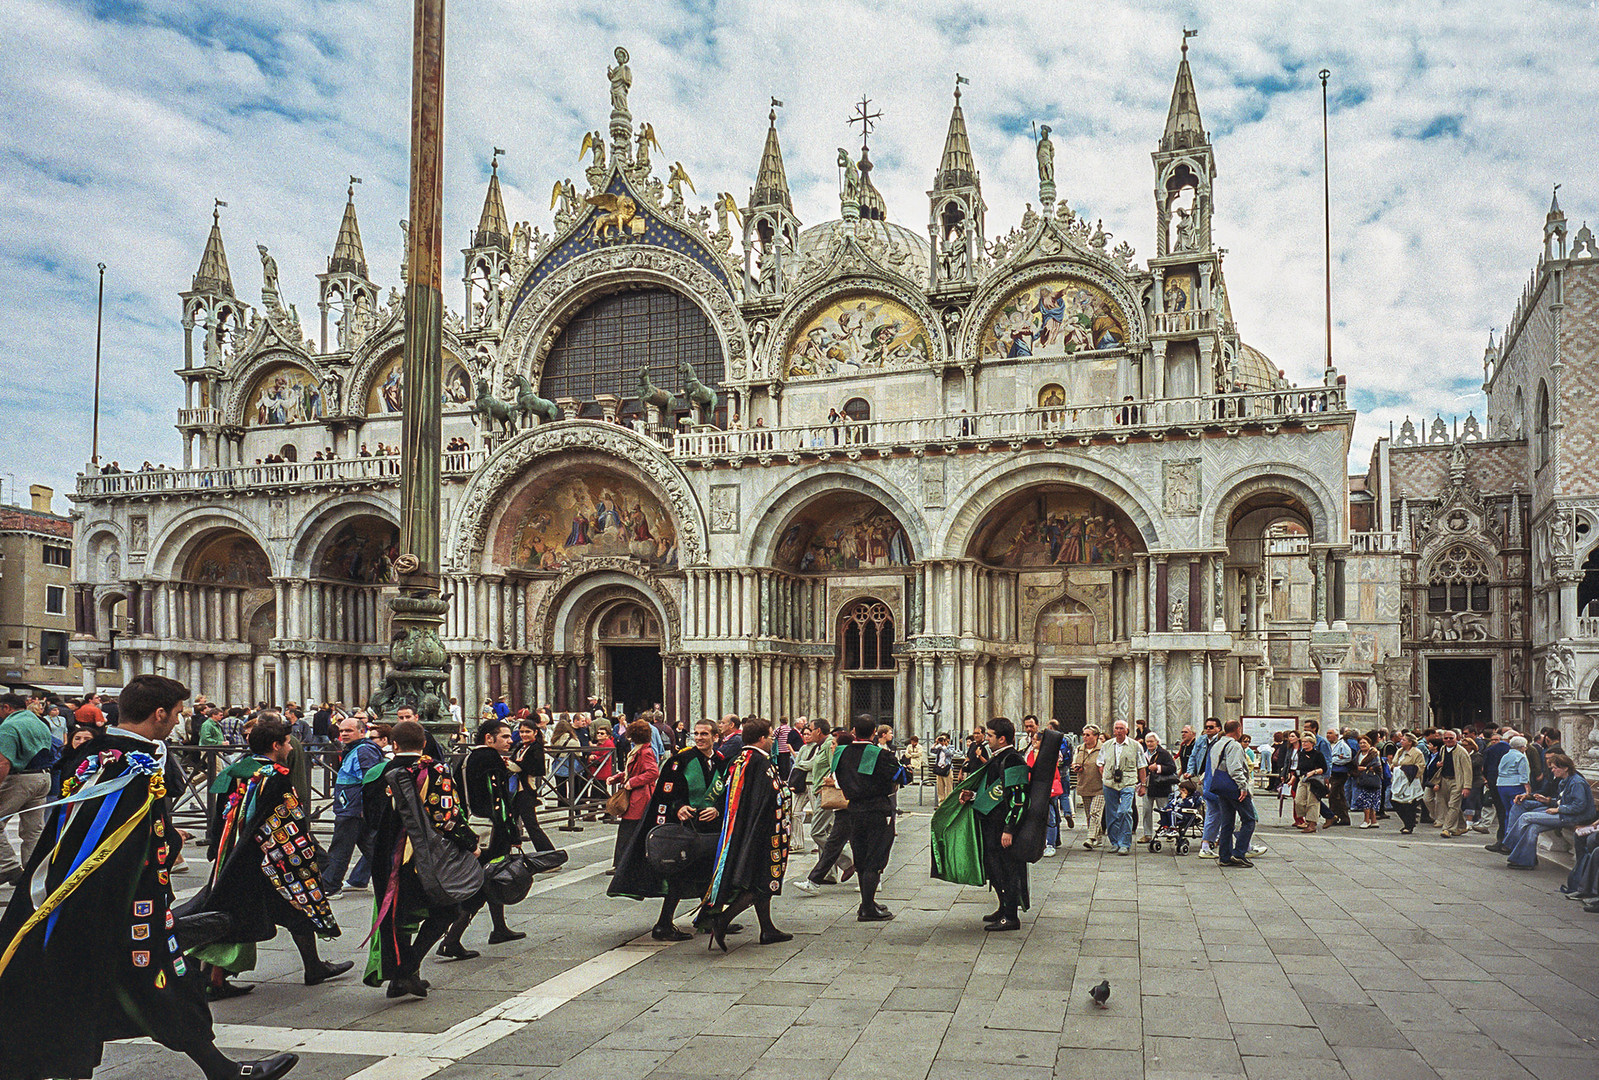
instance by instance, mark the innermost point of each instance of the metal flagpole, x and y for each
(99, 322)
(1326, 209)
(418, 677)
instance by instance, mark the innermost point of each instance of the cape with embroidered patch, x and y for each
(87, 943)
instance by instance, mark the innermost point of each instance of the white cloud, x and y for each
(119, 123)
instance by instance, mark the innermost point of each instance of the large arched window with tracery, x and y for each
(866, 635)
(1458, 582)
(603, 346)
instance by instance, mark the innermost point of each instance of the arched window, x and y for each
(605, 344)
(1459, 582)
(1519, 420)
(1544, 447)
(866, 633)
(1588, 588)
(1052, 396)
(858, 409)
(289, 452)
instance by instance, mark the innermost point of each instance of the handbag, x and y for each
(616, 802)
(199, 928)
(507, 879)
(1369, 779)
(1219, 783)
(831, 797)
(674, 849)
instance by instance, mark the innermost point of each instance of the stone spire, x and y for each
(493, 228)
(1183, 126)
(348, 256)
(213, 274)
(956, 168)
(771, 183)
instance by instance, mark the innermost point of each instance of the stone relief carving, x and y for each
(1182, 494)
(1559, 673)
(724, 508)
(138, 533)
(517, 453)
(932, 482)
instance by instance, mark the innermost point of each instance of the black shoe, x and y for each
(734, 928)
(876, 914)
(994, 916)
(669, 933)
(1071, 822)
(500, 937)
(401, 985)
(327, 971)
(881, 907)
(1240, 863)
(227, 990)
(1496, 847)
(1009, 922)
(775, 937)
(1591, 906)
(718, 935)
(1581, 896)
(457, 951)
(268, 1068)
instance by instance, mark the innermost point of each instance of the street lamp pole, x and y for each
(418, 676)
(99, 323)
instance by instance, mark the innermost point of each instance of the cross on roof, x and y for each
(864, 118)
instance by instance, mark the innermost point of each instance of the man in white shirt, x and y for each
(1122, 770)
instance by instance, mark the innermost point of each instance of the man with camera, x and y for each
(1122, 770)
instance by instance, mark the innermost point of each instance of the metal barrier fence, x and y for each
(568, 789)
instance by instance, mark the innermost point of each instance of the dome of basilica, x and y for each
(893, 245)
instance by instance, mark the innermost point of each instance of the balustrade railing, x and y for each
(1226, 410)
(1374, 543)
(1588, 626)
(193, 417)
(1183, 322)
(1020, 424)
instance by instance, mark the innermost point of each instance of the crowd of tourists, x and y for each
(708, 812)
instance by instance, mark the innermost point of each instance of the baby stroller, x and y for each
(1176, 819)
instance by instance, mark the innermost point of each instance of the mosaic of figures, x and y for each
(860, 333)
(1056, 527)
(594, 516)
(388, 389)
(362, 551)
(229, 559)
(1178, 294)
(1055, 317)
(847, 533)
(284, 394)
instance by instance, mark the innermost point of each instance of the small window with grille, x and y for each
(867, 636)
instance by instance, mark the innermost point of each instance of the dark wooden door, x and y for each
(874, 697)
(1069, 702)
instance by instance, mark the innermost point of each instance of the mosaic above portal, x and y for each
(594, 515)
(362, 551)
(229, 559)
(388, 388)
(1056, 527)
(284, 394)
(855, 335)
(850, 532)
(1055, 317)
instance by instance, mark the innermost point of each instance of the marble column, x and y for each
(1157, 696)
(1196, 694)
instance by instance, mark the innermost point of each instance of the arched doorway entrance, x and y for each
(866, 657)
(627, 648)
(223, 598)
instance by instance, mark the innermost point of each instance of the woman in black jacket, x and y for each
(529, 764)
(1161, 777)
(1309, 768)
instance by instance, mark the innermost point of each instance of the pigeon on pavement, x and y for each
(1101, 993)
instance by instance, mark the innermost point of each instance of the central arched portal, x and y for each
(625, 640)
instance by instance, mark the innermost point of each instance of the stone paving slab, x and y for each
(1344, 956)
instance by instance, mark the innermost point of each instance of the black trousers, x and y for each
(1338, 799)
(1408, 812)
(1007, 873)
(871, 839)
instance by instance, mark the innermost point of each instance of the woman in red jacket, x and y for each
(638, 778)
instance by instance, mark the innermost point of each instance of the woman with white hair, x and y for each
(1515, 778)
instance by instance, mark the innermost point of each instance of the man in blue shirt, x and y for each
(1339, 756)
(349, 821)
(1195, 766)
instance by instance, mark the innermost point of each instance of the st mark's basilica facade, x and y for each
(722, 459)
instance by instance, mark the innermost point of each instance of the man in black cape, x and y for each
(88, 952)
(487, 790)
(866, 773)
(1000, 799)
(752, 851)
(688, 792)
(405, 924)
(265, 872)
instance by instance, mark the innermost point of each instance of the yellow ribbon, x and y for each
(90, 865)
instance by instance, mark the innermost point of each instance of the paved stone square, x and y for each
(1348, 956)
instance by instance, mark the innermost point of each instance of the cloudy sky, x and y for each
(121, 120)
